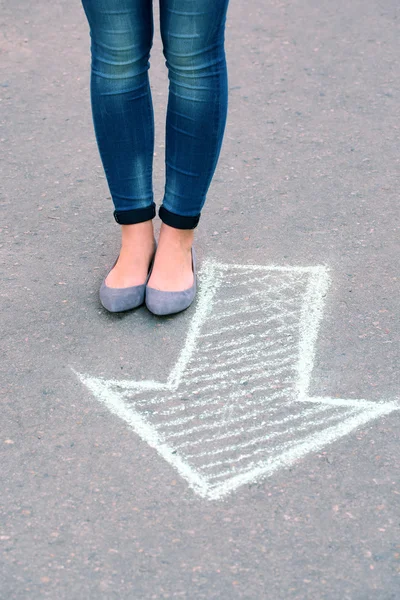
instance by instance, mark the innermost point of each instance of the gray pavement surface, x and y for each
(309, 174)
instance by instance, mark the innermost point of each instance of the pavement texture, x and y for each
(309, 175)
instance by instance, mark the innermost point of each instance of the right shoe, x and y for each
(161, 302)
(122, 299)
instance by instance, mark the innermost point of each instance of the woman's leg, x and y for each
(121, 38)
(193, 38)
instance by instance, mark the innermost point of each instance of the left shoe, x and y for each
(167, 303)
(122, 299)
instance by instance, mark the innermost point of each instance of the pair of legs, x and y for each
(193, 44)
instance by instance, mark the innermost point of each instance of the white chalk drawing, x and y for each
(236, 407)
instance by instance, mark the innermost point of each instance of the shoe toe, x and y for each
(121, 299)
(165, 303)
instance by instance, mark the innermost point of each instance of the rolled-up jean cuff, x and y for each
(177, 221)
(136, 215)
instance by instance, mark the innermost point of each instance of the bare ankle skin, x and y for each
(172, 270)
(137, 248)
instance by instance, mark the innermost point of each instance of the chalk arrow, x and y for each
(236, 407)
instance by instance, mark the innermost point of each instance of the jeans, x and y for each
(192, 34)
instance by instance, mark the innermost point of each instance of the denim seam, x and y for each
(215, 132)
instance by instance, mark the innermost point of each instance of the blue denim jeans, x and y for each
(192, 33)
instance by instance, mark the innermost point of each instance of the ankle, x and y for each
(177, 238)
(138, 235)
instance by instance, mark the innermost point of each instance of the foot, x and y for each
(137, 249)
(172, 269)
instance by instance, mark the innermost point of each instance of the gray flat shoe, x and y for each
(121, 299)
(166, 303)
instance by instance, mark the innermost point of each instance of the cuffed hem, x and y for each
(177, 221)
(136, 215)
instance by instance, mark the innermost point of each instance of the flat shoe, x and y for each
(121, 299)
(166, 303)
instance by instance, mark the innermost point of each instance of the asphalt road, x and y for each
(309, 175)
